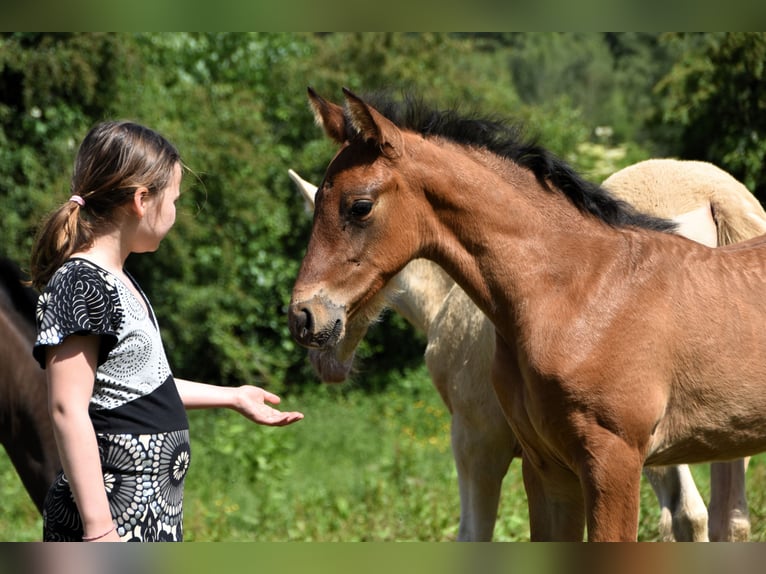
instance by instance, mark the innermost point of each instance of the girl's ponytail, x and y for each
(64, 232)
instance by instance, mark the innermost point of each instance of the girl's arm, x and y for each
(71, 371)
(248, 400)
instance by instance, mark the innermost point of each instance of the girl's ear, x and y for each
(138, 205)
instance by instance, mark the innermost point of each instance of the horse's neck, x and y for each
(506, 240)
(419, 291)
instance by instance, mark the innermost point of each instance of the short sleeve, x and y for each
(78, 300)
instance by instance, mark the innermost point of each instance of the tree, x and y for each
(235, 105)
(713, 106)
(51, 86)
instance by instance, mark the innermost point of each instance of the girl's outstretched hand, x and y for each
(251, 402)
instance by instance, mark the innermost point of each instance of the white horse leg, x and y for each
(461, 342)
(683, 517)
(482, 460)
(729, 515)
(664, 491)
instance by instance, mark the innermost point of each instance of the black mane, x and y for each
(505, 139)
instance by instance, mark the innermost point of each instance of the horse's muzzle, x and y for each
(316, 323)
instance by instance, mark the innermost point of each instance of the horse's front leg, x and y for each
(554, 496)
(482, 455)
(553, 490)
(611, 479)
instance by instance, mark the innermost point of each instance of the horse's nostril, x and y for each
(302, 324)
(307, 321)
(313, 331)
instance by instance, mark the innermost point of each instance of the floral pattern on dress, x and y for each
(90, 304)
(144, 479)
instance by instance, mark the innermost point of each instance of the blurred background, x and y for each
(371, 461)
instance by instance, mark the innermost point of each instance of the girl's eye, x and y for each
(361, 208)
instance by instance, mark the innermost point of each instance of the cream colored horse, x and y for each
(709, 205)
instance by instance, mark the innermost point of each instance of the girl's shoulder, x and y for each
(77, 273)
(80, 298)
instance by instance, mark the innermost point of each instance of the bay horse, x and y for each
(709, 205)
(26, 432)
(617, 344)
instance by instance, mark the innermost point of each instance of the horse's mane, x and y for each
(506, 139)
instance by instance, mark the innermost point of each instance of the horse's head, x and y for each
(365, 224)
(333, 363)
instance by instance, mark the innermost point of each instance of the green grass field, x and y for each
(359, 467)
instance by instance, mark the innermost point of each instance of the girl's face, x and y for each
(160, 214)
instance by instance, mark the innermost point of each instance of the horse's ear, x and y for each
(308, 190)
(372, 125)
(328, 116)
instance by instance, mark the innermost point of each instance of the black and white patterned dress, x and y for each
(140, 422)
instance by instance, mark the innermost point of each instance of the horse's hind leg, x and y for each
(683, 514)
(729, 516)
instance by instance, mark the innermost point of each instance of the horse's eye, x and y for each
(361, 208)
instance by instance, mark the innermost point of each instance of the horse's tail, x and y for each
(737, 213)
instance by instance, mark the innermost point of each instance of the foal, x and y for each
(616, 346)
(710, 206)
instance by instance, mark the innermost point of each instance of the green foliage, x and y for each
(607, 78)
(51, 86)
(19, 519)
(235, 105)
(713, 102)
(360, 467)
(548, 65)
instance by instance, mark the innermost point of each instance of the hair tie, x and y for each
(78, 200)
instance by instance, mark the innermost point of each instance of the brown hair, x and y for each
(114, 159)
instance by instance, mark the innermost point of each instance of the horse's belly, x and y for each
(708, 436)
(716, 407)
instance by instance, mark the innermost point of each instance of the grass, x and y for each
(359, 467)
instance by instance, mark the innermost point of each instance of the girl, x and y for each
(118, 413)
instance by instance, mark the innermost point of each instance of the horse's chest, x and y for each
(536, 406)
(559, 383)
